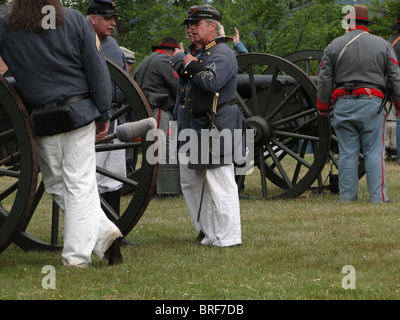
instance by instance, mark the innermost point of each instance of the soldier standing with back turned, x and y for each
(354, 76)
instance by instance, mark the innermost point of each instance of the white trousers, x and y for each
(68, 166)
(220, 210)
(188, 187)
(113, 161)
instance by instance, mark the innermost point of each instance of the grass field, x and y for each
(293, 249)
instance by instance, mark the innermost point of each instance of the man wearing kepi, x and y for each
(356, 70)
(209, 95)
(62, 74)
(102, 15)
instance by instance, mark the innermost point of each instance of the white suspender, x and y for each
(352, 40)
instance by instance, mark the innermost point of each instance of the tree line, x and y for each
(278, 27)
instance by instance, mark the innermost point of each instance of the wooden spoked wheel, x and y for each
(39, 235)
(309, 61)
(18, 165)
(279, 106)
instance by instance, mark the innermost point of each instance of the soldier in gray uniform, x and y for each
(211, 72)
(129, 57)
(56, 70)
(355, 73)
(395, 42)
(159, 82)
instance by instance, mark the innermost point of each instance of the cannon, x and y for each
(22, 192)
(294, 147)
(277, 98)
(278, 101)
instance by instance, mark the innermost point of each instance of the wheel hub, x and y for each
(261, 127)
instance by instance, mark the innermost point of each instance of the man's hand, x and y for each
(236, 37)
(188, 58)
(181, 49)
(323, 113)
(102, 129)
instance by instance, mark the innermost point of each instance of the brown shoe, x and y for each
(113, 254)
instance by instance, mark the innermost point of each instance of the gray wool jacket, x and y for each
(158, 80)
(369, 59)
(59, 63)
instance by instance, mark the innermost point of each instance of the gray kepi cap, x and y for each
(103, 7)
(202, 12)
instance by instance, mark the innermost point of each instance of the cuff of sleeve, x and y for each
(192, 69)
(323, 106)
(104, 117)
(239, 48)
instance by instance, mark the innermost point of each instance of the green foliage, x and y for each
(276, 27)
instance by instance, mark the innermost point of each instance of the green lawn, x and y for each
(293, 249)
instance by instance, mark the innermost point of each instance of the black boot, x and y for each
(113, 198)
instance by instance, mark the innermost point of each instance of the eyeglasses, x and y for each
(191, 23)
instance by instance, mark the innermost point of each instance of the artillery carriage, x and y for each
(22, 191)
(278, 101)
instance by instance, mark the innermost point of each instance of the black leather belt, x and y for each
(66, 101)
(358, 84)
(195, 114)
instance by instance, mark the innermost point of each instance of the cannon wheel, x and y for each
(18, 166)
(283, 173)
(141, 182)
(303, 60)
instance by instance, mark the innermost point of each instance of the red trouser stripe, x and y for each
(382, 162)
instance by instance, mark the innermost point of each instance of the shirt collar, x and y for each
(161, 51)
(359, 28)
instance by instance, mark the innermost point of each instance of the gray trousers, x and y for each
(359, 128)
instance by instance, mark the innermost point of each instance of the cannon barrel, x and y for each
(263, 82)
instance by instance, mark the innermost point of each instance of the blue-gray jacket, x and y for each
(113, 52)
(215, 71)
(60, 63)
